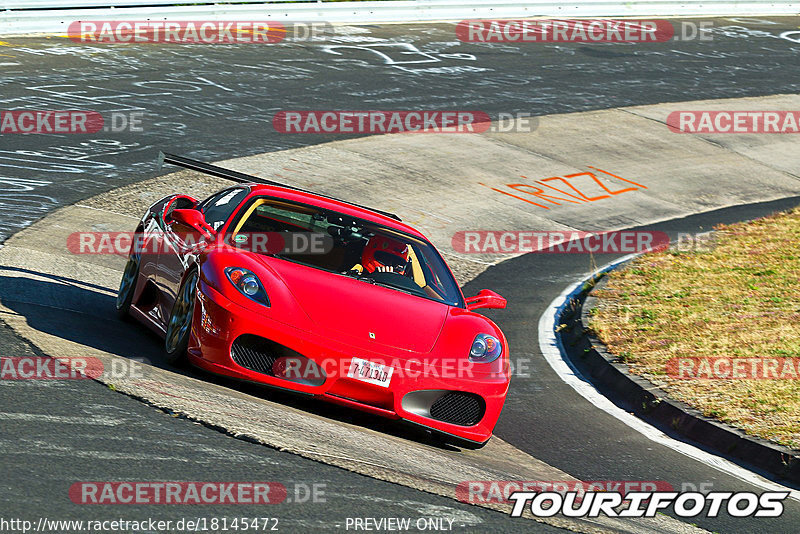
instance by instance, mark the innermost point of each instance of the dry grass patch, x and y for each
(739, 300)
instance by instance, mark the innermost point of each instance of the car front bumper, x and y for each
(456, 400)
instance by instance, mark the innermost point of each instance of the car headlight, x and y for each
(248, 284)
(485, 349)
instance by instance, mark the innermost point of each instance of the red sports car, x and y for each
(277, 285)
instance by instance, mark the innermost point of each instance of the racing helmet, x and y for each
(386, 251)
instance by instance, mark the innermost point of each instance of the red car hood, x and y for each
(360, 313)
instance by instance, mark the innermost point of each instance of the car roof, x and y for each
(334, 205)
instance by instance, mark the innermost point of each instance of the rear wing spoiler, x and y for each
(243, 178)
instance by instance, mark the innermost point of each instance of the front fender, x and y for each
(459, 332)
(283, 306)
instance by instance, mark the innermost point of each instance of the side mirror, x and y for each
(486, 298)
(193, 219)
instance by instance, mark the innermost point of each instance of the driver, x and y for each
(384, 255)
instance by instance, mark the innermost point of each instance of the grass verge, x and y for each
(740, 300)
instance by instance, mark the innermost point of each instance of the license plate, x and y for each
(372, 373)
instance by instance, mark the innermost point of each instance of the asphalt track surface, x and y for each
(546, 418)
(214, 102)
(79, 430)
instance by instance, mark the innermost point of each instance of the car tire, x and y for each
(179, 326)
(127, 286)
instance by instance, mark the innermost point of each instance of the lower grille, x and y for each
(265, 356)
(254, 353)
(459, 408)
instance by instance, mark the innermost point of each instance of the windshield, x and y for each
(357, 248)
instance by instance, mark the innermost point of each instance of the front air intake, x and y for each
(267, 357)
(459, 408)
(254, 353)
